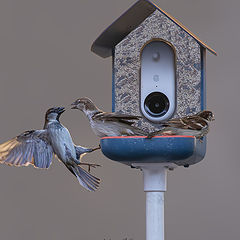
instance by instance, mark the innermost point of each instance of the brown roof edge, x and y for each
(185, 29)
(127, 22)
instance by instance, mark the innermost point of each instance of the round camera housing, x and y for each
(156, 104)
(158, 84)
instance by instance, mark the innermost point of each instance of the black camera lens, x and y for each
(156, 104)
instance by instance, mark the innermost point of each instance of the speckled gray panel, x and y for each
(127, 67)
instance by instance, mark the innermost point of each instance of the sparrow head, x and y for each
(54, 113)
(84, 104)
(207, 115)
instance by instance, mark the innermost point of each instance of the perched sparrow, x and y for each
(107, 124)
(194, 125)
(37, 147)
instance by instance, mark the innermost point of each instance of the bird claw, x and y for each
(149, 136)
(93, 165)
(153, 134)
(94, 149)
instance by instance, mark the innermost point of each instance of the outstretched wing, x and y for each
(30, 147)
(116, 117)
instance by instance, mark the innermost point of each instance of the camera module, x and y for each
(156, 104)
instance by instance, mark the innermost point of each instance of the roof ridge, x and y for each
(183, 27)
(109, 38)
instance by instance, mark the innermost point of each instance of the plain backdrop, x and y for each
(45, 61)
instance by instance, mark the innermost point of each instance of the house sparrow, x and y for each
(37, 147)
(194, 125)
(107, 124)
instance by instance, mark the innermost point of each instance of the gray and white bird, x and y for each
(36, 147)
(106, 124)
(195, 125)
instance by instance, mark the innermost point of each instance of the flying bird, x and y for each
(106, 124)
(37, 147)
(194, 125)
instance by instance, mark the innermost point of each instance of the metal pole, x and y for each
(154, 215)
(155, 184)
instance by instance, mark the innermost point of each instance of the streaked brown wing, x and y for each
(190, 122)
(175, 122)
(30, 147)
(116, 117)
(194, 123)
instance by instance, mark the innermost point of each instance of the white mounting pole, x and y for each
(155, 184)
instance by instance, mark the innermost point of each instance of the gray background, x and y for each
(45, 60)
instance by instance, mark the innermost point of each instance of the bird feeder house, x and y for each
(158, 73)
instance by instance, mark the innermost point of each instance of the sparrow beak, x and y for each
(74, 106)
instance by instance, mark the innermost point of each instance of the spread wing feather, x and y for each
(30, 147)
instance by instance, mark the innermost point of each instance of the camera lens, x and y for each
(156, 104)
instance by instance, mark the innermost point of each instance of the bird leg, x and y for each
(94, 149)
(93, 165)
(152, 134)
(200, 138)
(162, 132)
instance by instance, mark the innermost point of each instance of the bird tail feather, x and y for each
(86, 179)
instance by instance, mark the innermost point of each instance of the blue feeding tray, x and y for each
(181, 150)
